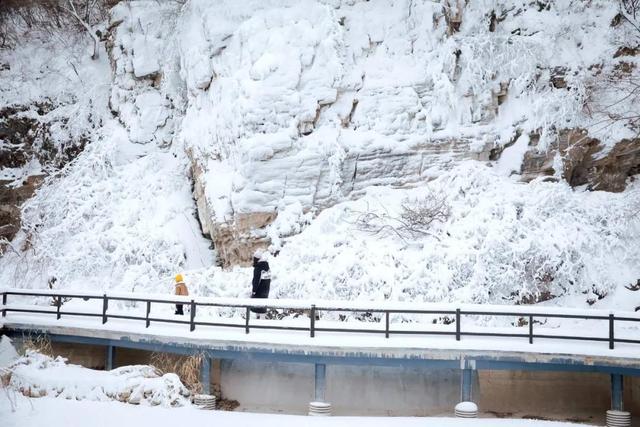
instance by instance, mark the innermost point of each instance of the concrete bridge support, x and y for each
(319, 406)
(617, 416)
(467, 408)
(320, 382)
(110, 355)
(205, 375)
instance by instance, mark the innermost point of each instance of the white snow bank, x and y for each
(68, 413)
(37, 375)
(8, 352)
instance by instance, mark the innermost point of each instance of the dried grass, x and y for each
(39, 343)
(186, 367)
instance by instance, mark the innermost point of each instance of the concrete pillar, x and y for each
(616, 392)
(466, 385)
(109, 357)
(617, 416)
(205, 375)
(466, 408)
(319, 407)
(321, 382)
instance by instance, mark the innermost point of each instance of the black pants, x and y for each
(261, 292)
(179, 309)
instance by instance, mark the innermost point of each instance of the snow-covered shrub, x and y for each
(37, 375)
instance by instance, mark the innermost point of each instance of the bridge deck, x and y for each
(335, 348)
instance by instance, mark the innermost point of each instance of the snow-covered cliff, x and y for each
(279, 115)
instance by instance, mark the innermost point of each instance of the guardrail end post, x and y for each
(458, 316)
(58, 304)
(192, 324)
(611, 331)
(247, 316)
(312, 326)
(530, 329)
(105, 305)
(386, 324)
(148, 322)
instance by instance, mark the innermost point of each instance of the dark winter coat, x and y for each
(261, 282)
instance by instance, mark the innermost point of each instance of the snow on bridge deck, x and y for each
(563, 339)
(334, 348)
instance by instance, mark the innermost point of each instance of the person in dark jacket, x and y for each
(261, 279)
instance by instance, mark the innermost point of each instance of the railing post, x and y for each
(105, 306)
(457, 324)
(386, 324)
(192, 326)
(4, 303)
(58, 304)
(148, 322)
(530, 329)
(312, 328)
(248, 315)
(611, 334)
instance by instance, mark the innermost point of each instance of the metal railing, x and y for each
(527, 315)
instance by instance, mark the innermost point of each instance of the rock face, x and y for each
(282, 102)
(27, 153)
(584, 161)
(313, 102)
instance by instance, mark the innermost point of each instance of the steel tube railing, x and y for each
(313, 310)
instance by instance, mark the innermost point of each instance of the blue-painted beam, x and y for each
(205, 375)
(321, 382)
(617, 401)
(352, 358)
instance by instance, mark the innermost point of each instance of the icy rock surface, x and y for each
(311, 102)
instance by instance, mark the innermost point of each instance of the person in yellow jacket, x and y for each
(181, 289)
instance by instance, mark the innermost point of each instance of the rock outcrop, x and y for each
(584, 161)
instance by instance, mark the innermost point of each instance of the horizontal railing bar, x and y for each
(352, 330)
(384, 310)
(494, 334)
(628, 341)
(412, 332)
(569, 337)
(288, 328)
(77, 313)
(231, 325)
(53, 294)
(124, 316)
(627, 319)
(516, 314)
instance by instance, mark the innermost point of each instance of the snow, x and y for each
(8, 353)
(69, 413)
(260, 97)
(37, 375)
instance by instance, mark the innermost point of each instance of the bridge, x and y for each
(464, 337)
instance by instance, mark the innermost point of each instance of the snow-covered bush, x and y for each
(36, 375)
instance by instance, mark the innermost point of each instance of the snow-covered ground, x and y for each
(19, 411)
